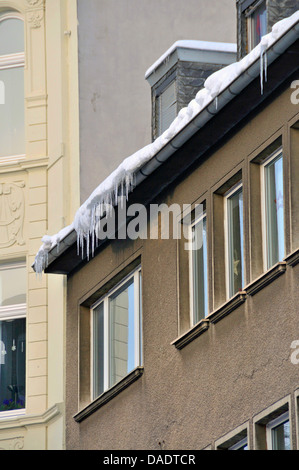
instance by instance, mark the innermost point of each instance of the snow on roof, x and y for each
(193, 44)
(123, 175)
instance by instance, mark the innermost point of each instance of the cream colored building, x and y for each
(38, 193)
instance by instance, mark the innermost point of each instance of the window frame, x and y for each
(136, 276)
(13, 312)
(10, 61)
(283, 418)
(234, 189)
(265, 243)
(197, 220)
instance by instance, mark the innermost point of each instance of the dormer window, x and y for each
(257, 23)
(177, 76)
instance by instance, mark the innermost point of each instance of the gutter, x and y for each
(200, 120)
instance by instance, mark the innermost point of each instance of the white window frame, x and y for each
(283, 418)
(136, 275)
(13, 312)
(226, 196)
(198, 219)
(266, 162)
(10, 61)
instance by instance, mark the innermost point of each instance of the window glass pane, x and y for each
(12, 364)
(122, 344)
(11, 36)
(258, 24)
(281, 437)
(12, 284)
(235, 242)
(12, 116)
(199, 265)
(274, 211)
(98, 353)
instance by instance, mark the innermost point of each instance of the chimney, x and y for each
(177, 76)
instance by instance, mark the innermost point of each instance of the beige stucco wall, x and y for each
(48, 177)
(234, 371)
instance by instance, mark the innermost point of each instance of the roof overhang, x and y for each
(199, 138)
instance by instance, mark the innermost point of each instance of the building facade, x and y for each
(171, 346)
(59, 93)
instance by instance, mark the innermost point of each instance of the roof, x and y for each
(221, 91)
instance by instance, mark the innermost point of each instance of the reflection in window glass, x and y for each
(199, 270)
(11, 35)
(116, 335)
(274, 201)
(235, 241)
(12, 112)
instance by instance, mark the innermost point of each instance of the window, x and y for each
(241, 445)
(116, 320)
(12, 60)
(273, 209)
(166, 107)
(199, 275)
(12, 336)
(278, 433)
(234, 240)
(257, 23)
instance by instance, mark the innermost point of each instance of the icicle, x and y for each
(266, 66)
(263, 66)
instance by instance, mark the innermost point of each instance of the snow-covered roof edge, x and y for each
(192, 44)
(123, 176)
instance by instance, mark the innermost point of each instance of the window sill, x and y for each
(293, 258)
(191, 334)
(227, 307)
(109, 394)
(266, 278)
